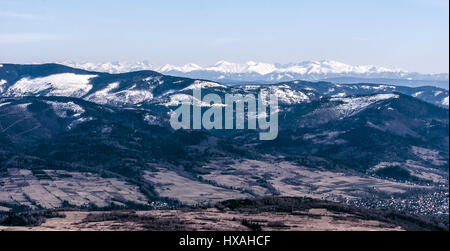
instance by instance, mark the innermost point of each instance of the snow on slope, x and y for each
(203, 84)
(4, 104)
(285, 94)
(79, 121)
(64, 84)
(130, 96)
(445, 101)
(353, 105)
(2, 83)
(70, 110)
(66, 109)
(180, 99)
(417, 94)
(102, 96)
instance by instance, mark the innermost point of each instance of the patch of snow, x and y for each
(251, 87)
(78, 121)
(437, 93)
(285, 94)
(23, 106)
(101, 96)
(129, 96)
(340, 95)
(184, 99)
(417, 94)
(203, 84)
(151, 119)
(6, 103)
(2, 83)
(64, 84)
(445, 101)
(382, 87)
(353, 105)
(132, 96)
(66, 109)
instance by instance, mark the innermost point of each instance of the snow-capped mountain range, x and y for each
(149, 87)
(304, 68)
(252, 71)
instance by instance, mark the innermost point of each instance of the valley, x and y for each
(265, 214)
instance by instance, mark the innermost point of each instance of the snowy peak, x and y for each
(225, 67)
(327, 67)
(261, 68)
(111, 67)
(185, 68)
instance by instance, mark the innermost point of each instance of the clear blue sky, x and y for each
(409, 34)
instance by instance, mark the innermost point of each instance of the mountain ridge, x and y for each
(143, 86)
(253, 71)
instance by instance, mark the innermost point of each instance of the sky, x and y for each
(408, 34)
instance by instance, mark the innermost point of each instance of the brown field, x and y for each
(210, 219)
